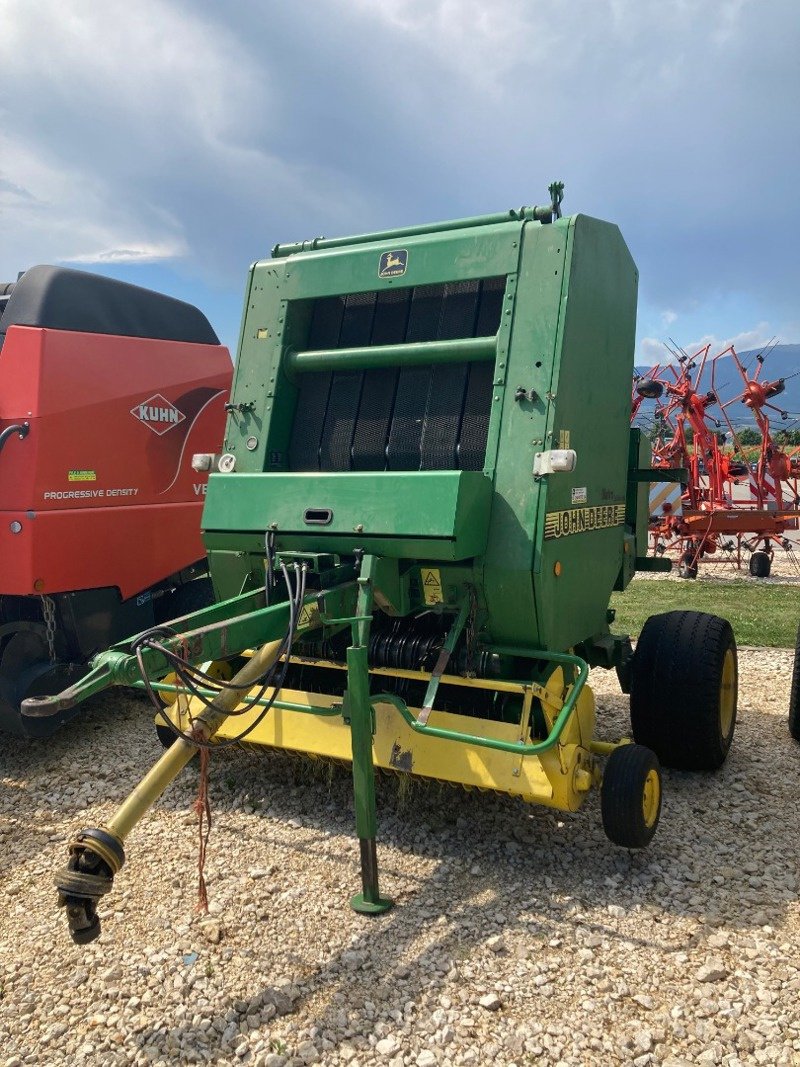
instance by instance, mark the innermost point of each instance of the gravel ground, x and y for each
(784, 570)
(520, 935)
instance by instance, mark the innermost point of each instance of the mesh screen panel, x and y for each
(471, 448)
(406, 418)
(489, 306)
(312, 401)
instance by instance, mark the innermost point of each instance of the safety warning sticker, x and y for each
(431, 585)
(308, 618)
(82, 476)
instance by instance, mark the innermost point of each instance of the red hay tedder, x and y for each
(730, 502)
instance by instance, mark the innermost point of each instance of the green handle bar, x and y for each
(519, 747)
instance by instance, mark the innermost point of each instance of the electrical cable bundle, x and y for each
(194, 680)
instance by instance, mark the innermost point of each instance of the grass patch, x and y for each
(759, 614)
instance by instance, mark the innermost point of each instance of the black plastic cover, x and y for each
(59, 298)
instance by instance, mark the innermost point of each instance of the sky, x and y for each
(171, 143)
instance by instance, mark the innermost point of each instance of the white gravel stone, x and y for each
(387, 1046)
(298, 978)
(713, 970)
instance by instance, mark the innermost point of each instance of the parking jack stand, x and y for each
(359, 709)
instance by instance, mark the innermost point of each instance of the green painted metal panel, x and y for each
(544, 552)
(590, 413)
(451, 255)
(522, 430)
(355, 507)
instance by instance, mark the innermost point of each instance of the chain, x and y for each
(49, 616)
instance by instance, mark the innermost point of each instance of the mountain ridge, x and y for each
(783, 361)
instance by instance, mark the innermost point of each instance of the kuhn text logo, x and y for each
(158, 414)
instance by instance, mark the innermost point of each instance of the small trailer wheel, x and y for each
(687, 566)
(165, 736)
(794, 693)
(760, 565)
(630, 796)
(684, 684)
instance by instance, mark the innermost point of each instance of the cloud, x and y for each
(201, 134)
(145, 138)
(652, 351)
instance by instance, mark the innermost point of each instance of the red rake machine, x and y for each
(730, 504)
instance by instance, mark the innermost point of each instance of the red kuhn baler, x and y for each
(106, 391)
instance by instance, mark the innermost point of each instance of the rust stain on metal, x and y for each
(401, 760)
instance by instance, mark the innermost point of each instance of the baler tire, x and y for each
(684, 689)
(167, 737)
(760, 565)
(630, 796)
(794, 693)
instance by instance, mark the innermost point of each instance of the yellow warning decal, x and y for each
(308, 618)
(82, 476)
(577, 520)
(563, 438)
(431, 585)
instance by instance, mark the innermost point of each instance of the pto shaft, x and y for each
(97, 854)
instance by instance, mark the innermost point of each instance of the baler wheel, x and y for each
(760, 565)
(630, 797)
(684, 680)
(166, 737)
(794, 693)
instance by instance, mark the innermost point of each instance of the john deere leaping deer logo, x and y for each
(393, 264)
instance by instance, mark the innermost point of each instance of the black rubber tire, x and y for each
(622, 796)
(687, 566)
(165, 736)
(760, 565)
(679, 707)
(794, 693)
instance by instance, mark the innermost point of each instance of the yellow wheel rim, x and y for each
(168, 699)
(727, 694)
(651, 797)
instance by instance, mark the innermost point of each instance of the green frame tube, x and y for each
(534, 214)
(461, 350)
(519, 748)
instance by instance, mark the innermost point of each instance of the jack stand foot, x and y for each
(370, 907)
(369, 901)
